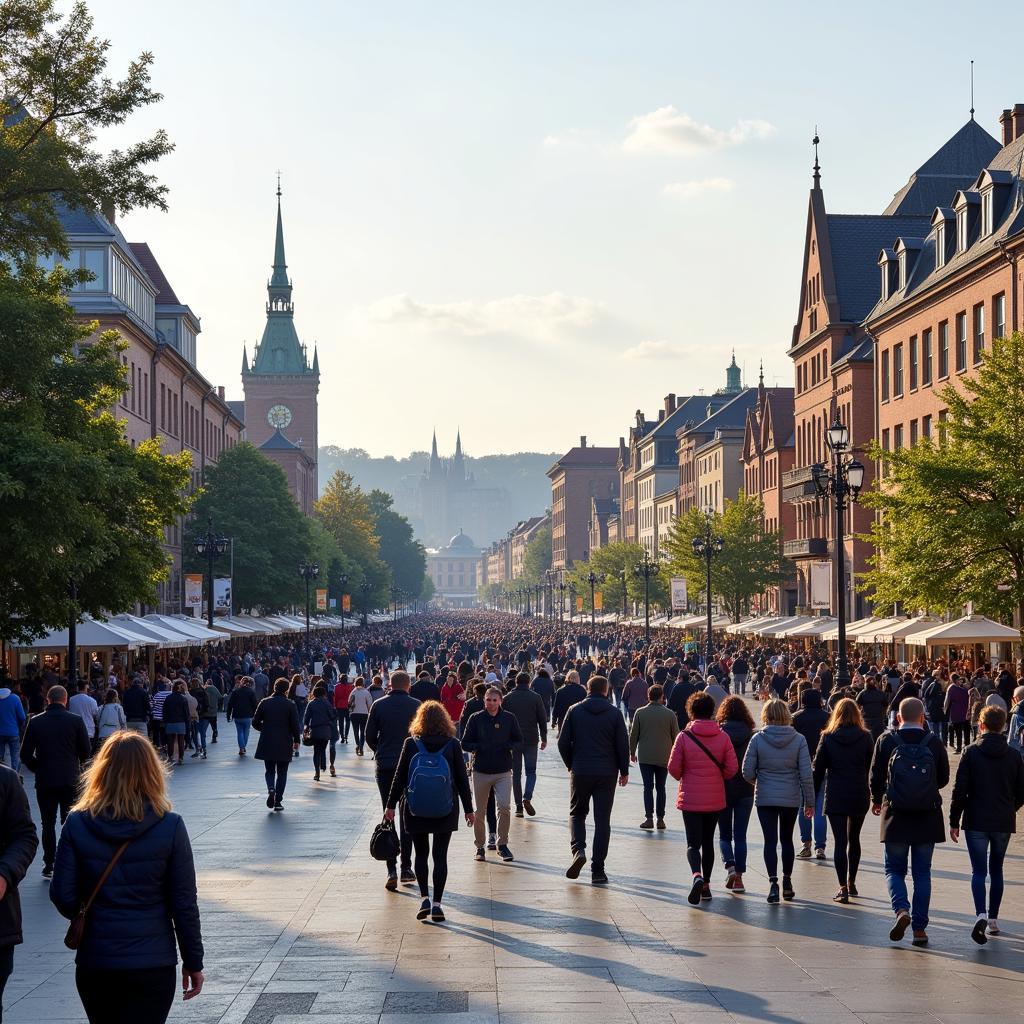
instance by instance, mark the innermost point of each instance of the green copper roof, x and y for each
(279, 279)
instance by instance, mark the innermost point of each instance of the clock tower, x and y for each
(281, 386)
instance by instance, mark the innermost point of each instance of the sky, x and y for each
(526, 220)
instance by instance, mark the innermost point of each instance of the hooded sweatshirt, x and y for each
(989, 786)
(593, 739)
(12, 713)
(810, 719)
(702, 773)
(779, 766)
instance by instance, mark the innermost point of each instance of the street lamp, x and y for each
(843, 483)
(308, 571)
(647, 570)
(572, 601)
(593, 578)
(622, 574)
(395, 595)
(211, 546)
(365, 587)
(562, 587)
(538, 589)
(706, 545)
(343, 583)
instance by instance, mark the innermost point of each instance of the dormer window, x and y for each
(967, 206)
(906, 254)
(889, 266)
(944, 223)
(987, 202)
(961, 230)
(994, 187)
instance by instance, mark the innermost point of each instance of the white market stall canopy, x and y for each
(188, 625)
(865, 634)
(814, 628)
(971, 629)
(917, 624)
(92, 634)
(781, 626)
(163, 636)
(749, 625)
(833, 633)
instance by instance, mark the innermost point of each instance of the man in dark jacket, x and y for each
(386, 732)
(908, 770)
(136, 706)
(530, 712)
(277, 721)
(242, 707)
(809, 721)
(545, 689)
(595, 748)
(681, 693)
(55, 747)
(18, 842)
(424, 689)
(567, 695)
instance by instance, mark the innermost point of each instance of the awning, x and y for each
(91, 634)
(833, 633)
(865, 634)
(232, 626)
(748, 626)
(814, 628)
(977, 629)
(163, 636)
(780, 628)
(189, 625)
(905, 628)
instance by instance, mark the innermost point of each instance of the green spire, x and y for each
(279, 279)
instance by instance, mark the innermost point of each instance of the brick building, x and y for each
(602, 511)
(584, 472)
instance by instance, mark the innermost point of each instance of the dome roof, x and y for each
(462, 542)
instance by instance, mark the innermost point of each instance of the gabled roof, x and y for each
(164, 292)
(732, 414)
(277, 441)
(778, 419)
(588, 456)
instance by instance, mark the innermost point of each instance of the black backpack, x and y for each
(912, 783)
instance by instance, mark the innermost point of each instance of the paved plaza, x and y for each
(299, 929)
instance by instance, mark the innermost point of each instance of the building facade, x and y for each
(456, 572)
(584, 472)
(599, 530)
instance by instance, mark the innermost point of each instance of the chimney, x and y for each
(670, 404)
(220, 392)
(107, 209)
(1018, 120)
(1006, 122)
(583, 440)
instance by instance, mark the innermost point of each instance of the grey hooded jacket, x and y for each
(779, 766)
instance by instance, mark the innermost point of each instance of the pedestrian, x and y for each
(934, 697)
(84, 705)
(735, 721)
(136, 706)
(595, 748)
(126, 962)
(453, 696)
(809, 721)
(18, 844)
(359, 704)
(543, 686)
(908, 770)
(569, 693)
(318, 723)
(634, 693)
(740, 670)
(56, 747)
(429, 781)
(714, 689)
(111, 717)
(873, 704)
(197, 703)
(176, 717)
(532, 715)
(342, 692)
(277, 721)
(957, 707)
(702, 759)
(386, 730)
(841, 766)
(242, 707)
(987, 793)
(492, 736)
(651, 734)
(778, 765)
(213, 702)
(12, 725)
(298, 694)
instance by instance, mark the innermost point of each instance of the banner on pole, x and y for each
(346, 602)
(321, 599)
(333, 602)
(221, 595)
(579, 604)
(821, 585)
(598, 601)
(194, 593)
(678, 594)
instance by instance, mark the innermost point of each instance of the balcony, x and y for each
(798, 484)
(806, 547)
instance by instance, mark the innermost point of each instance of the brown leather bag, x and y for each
(76, 930)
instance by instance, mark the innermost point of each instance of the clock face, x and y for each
(279, 416)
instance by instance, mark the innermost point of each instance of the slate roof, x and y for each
(279, 442)
(732, 414)
(589, 456)
(164, 292)
(237, 407)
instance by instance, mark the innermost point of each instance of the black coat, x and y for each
(545, 688)
(242, 703)
(681, 693)
(277, 721)
(810, 719)
(909, 826)
(136, 704)
(55, 747)
(934, 701)
(319, 718)
(989, 786)
(529, 709)
(460, 781)
(388, 726)
(425, 689)
(737, 788)
(842, 763)
(149, 897)
(873, 704)
(593, 740)
(18, 842)
(565, 698)
(175, 709)
(469, 709)
(492, 740)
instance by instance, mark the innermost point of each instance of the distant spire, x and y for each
(817, 166)
(760, 386)
(245, 360)
(760, 377)
(316, 360)
(433, 446)
(972, 90)
(458, 443)
(279, 279)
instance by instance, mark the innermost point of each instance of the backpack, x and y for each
(912, 780)
(429, 792)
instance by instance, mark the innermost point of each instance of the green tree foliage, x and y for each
(403, 555)
(537, 557)
(57, 97)
(611, 560)
(77, 502)
(950, 528)
(751, 558)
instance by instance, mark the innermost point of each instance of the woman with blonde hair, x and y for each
(123, 848)
(430, 753)
(842, 762)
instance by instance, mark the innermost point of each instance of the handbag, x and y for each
(76, 929)
(689, 735)
(307, 737)
(384, 843)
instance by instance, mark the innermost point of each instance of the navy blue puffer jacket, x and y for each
(149, 896)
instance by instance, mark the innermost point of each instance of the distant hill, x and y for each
(522, 475)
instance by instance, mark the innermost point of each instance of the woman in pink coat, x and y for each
(702, 759)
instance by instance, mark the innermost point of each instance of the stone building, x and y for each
(456, 572)
(584, 472)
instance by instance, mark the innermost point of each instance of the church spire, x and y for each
(817, 166)
(279, 287)
(458, 443)
(760, 387)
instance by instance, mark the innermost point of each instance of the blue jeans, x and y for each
(817, 822)
(525, 758)
(654, 776)
(987, 850)
(739, 682)
(13, 743)
(939, 729)
(201, 727)
(732, 834)
(242, 727)
(920, 856)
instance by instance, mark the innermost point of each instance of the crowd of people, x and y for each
(455, 711)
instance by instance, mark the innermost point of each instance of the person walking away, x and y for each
(702, 759)
(934, 697)
(735, 721)
(429, 781)
(958, 711)
(492, 736)
(543, 686)
(841, 765)
(147, 907)
(740, 671)
(176, 714)
(83, 705)
(714, 689)
(569, 693)
(359, 704)
(342, 692)
(651, 734)
(873, 703)
(778, 766)
(241, 707)
(809, 721)
(1016, 737)
(318, 722)
(277, 721)
(532, 715)
(908, 770)
(594, 747)
(56, 747)
(634, 694)
(12, 725)
(196, 697)
(136, 706)
(987, 793)
(298, 694)
(18, 844)
(112, 717)
(210, 715)
(387, 728)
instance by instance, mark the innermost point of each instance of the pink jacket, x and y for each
(701, 781)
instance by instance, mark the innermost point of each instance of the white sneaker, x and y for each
(993, 926)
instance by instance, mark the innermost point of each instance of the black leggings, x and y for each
(959, 735)
(846, 832)
(777, 824)
(358, 729)
(421, 844)
(320, 755)
(700, 841)
(140, 996)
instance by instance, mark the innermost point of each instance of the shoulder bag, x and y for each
(76, 929)
(689, 735)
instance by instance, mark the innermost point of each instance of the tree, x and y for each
(949, 525)
(248, 497)
(750, 561)
(537, 557)
(399, 550)
(611, 559)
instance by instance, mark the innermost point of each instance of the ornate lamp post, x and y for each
(647, 570)
(706, 545)
(210, 546)
(308, 571)
(841, 480)
(593, 578)
(343, 583)
(366, 586)
(561, 599)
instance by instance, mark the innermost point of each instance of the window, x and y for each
(163, 407)
(979, 331)
(913, 433)
(913, 362)
(132, 389)
(940, 244)
(999, 316)
(961, 229)
(943, 349)
(897, 437)
(885, 439)
(986, 211)
(961, 342)
(885, 376)
(926, 357)
(897, 371)
(926, 427)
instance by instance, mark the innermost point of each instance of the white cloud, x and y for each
(667, 130)
(653, 350)
(692, 189)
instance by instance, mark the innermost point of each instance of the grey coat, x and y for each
(779, 767)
